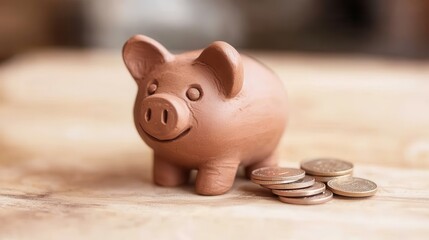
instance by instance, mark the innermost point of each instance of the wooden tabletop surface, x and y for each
(72, 165)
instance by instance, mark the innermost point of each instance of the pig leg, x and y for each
(215, 178)
(167, 174)
(270, 161)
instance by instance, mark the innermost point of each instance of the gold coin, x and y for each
(317, 188)
(327, 167)
(277, 173)
(307, 181)
(315, 199)
(353, 187)
(263, 182)
(327, 179)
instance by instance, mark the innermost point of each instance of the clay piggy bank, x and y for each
(211, 110)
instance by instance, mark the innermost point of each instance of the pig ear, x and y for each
(226, 63)
(142, 53)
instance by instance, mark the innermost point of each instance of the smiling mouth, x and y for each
(184, 133)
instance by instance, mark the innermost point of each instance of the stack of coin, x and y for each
(338, 176)
(326, 169)
(291, 185)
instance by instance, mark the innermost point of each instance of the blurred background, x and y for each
(356, 68)
(353, 69)
(394, 28)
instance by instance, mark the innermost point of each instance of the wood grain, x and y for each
(72, 165)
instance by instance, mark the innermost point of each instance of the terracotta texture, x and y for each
(211, 110)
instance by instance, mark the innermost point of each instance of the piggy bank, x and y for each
(212, 110)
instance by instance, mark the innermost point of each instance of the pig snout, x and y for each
(165, 116)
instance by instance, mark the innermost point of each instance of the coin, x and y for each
(327, 167)
(317, 188)
(353, 187)
(315, 199)
(307, 181)
(277, 173)
(327, 179)
(263, 182)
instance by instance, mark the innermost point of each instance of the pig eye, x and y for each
(193, 94)
(152, 88)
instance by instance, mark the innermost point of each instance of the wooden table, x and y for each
(72, 165)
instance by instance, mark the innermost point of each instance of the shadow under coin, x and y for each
(256, 190)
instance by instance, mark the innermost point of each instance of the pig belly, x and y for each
(265, 117)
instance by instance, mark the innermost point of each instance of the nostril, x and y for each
(164, 117)
(148, 114)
